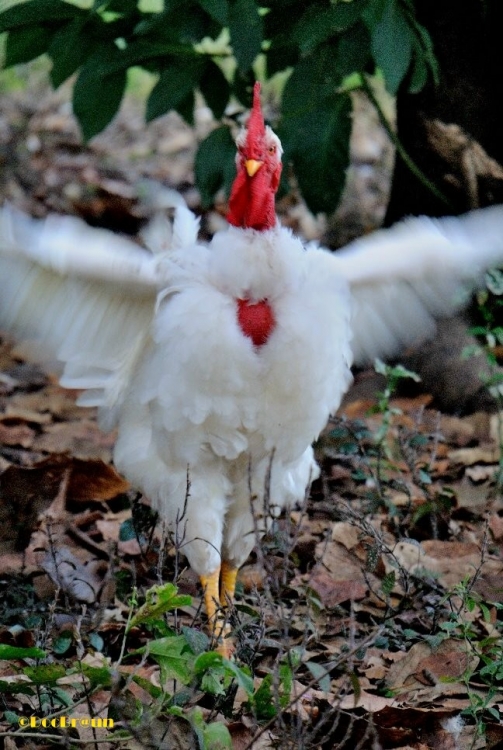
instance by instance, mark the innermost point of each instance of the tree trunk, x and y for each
(467, 39)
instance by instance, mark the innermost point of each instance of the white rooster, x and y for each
(223, 361)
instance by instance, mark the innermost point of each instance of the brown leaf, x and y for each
(13, 412)
(430, 674)
(129, 547)
(480, 473)
(469, 456)
(472, 496)
(446, 662)
(16, 434)
(83, 439)
(80, 580)
(368, 701)
(52, 400)
(27, 492)
(332, 592)
(496, 526)
(252, 577)
(95, 480)
(450, 562)
(109, 527)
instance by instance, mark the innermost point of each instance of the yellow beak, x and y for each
(252, 166)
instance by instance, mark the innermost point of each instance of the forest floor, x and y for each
(369, 618)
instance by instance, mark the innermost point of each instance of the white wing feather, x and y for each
(403, 278)
(86, 297)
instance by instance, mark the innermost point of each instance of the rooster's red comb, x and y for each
(251, 202)
(255, 126)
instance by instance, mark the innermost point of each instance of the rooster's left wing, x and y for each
(82, 296)
(403, 278)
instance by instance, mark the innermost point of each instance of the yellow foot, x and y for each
(219, 588)
(228, 576)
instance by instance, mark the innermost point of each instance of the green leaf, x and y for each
(424, 49)
(494, 281)
(216, 736)
(313, 80)
(245, 27)
(70, 47)
(319, 672)
(353, 51)
(263, 700)
(14, 688)
(215, 164)
(212, 682)
(286, 684)
(179, 23)
(319, 24)
(208, 660)
(37, 12)
(8, 653)
(215, 89)
(98, 676)
(388, 583)
(174, 658)
(186, 108)
(320, 137)
(211, 660)
(97, 98)
(424, 477)
(62, 643)
(152, 690)
(64, 698)
(159, 600)
(11, 717)
(242, 678)
(419, 75)
(392, 40)
(44, 674)
(126, 7)
(197, 640)
(127, 530)
(217, 9)
(173, 88)
(96, 641)
(27, 43)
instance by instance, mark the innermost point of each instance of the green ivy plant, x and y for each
(211, 46)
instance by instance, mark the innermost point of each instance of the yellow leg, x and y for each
(210, 586)
(216, 621)
(228, 576)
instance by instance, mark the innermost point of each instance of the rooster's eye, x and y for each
(272, 149)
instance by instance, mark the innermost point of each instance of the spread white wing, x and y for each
(421, 269)
(82, 296)
(88, 296)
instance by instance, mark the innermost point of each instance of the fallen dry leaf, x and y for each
(16, 434)
(81, 581)
(449, 562)
(332, 592)
(470, 456)
(83, 439)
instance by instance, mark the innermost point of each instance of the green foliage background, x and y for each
(322, 48)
